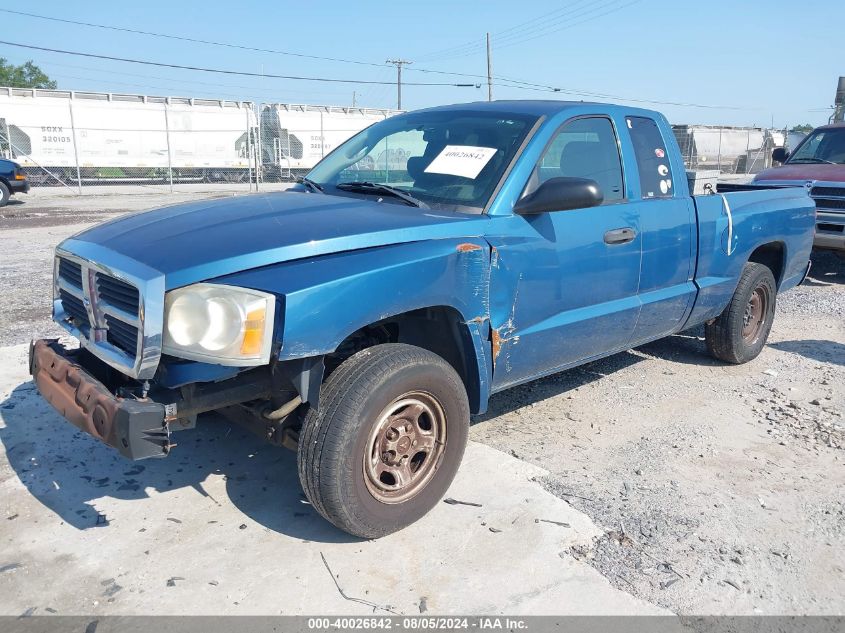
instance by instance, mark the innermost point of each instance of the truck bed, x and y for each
(760, 222)
(829, 197)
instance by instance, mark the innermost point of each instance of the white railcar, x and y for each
(294, 138)
(118, 136)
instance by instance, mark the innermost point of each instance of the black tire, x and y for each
(739, 334)
(4, 194)
(336, 439)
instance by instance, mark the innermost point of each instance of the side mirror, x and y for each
(780, 154)
(561, 194)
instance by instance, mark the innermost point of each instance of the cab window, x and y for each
(656, 178)
(583, 148)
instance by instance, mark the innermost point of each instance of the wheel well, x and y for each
(771, 255)
(439, 329)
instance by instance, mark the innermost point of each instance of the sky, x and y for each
(719, 62)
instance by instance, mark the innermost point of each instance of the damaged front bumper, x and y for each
(106, 404)
(135, 427)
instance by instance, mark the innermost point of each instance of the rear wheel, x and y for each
(739, 334)
(4, 194)
(387, 439)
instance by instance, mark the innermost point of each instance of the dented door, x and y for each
(560, 293)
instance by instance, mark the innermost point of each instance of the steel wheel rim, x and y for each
(404, 447)
(755, 314)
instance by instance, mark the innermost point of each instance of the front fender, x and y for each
(328, 298)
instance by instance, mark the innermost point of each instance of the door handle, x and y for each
(620, 236)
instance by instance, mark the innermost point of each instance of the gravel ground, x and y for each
(719, 488)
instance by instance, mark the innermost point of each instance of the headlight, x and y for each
(219, 324)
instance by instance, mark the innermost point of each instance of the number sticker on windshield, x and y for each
(466, 161)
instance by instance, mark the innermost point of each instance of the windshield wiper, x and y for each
(813, 159)
(374, 187)
(315, 187)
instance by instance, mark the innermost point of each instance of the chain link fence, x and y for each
(78, 140)
(84, 139)
(294, 138)
(729, 150)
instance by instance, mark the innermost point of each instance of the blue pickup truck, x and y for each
(12, 180)
(433, 259)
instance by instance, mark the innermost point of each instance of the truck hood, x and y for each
(808, 171)
(207, 239)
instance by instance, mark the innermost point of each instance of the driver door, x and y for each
(564, 284)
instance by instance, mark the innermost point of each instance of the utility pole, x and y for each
(489, 71)
(353, 99)
(839, 103)
(398, 63)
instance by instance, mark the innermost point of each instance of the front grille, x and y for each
(828, 191)
(112, 303)
(71, 272)
(75, 309)
(122, 335)
(829, 203)
(118, 293)
(832, 198)
(116, 305)
(830, 228)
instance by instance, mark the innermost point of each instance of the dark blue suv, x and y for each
(12, 180)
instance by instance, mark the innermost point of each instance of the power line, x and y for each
(183, 38)
(500, 81)
(546, 16)
(241, 46)
(587, 10)
(223, 71)
(528, 31)
(569, 25)
(559, 14)
(123, 73)
(602, 95)
(469, 47)
(216, 43)
(227, 44)
(508, 82)
(208, 93)
(383, 85)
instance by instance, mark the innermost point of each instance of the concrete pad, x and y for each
(221, 527)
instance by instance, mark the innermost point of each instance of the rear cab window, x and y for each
(656, 177)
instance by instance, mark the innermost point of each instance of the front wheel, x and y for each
(386, 441)
(739, 334)
(4, 194)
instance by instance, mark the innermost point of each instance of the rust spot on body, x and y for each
(497, 344)
(467, 247)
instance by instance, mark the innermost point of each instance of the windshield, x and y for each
(822, 146)
(441, 159)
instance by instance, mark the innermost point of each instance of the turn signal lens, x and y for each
(254, 327)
